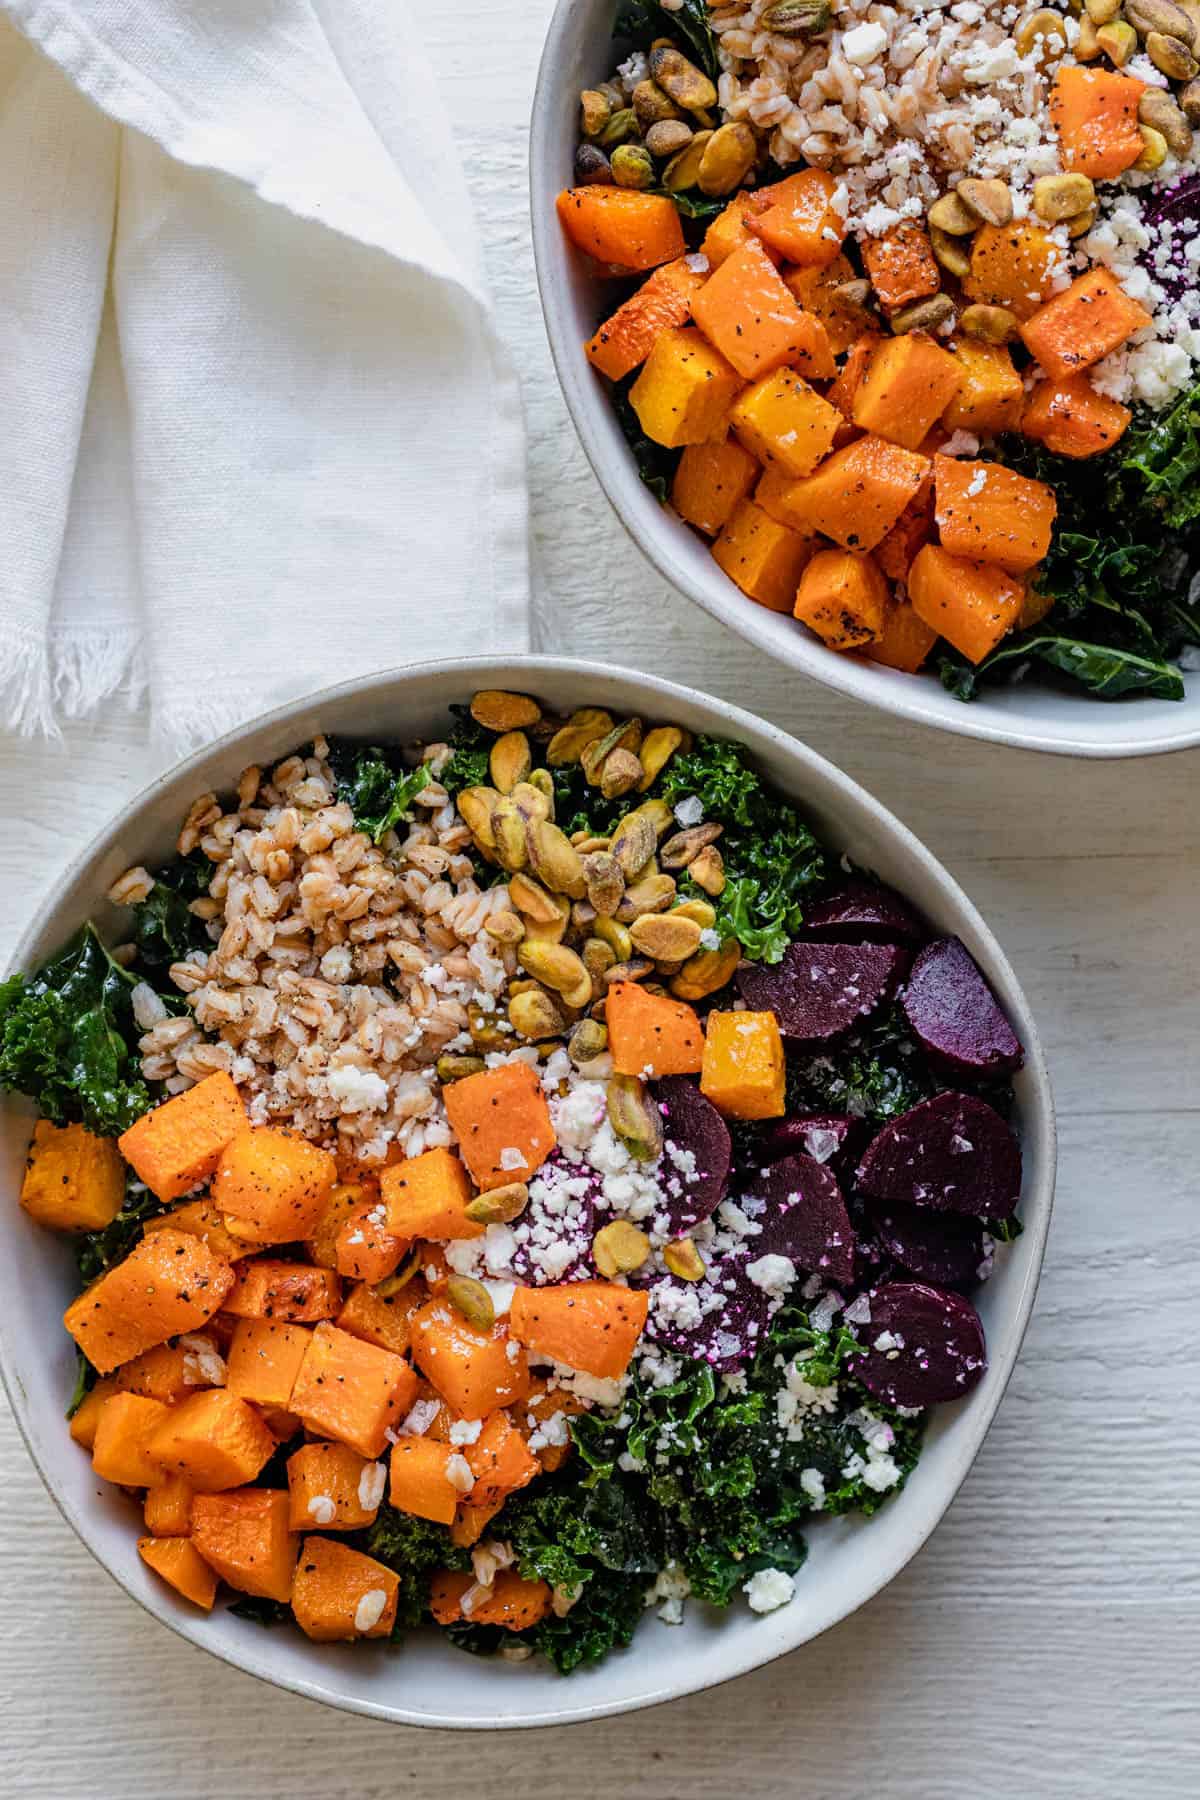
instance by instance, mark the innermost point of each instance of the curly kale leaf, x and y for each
(604, 1618)
(97, 1251)
(414, 1548)
(376, 785)
(641, 21)
(1159, 466)
(471, 745)
(164, 928)
(68, 1039)
(773, 862)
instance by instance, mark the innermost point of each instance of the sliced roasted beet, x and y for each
(799, 1206)
(698, 1153)
(826, 1137)
(820, 990)
(938, 1247)
(955, 1014)
(952, 1152)
(925, 1344)
(720, 1320)
(864, 911)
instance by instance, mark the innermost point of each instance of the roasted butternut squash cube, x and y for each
(271, 1185)
(367, 1249)
(743, 1073)
(785, 423)
(908, 383)
(500, 1460)
(992, 393)
(420, 1479)
(383, 1320)
(684, 389)
(470, 1523)
(651, 1035)
(123, 1430)
(332, 1487)
(177, 1145)
(593, 1326)
(351, 1390)
(181, 1566)
(801, 222)
(912, 529)
(843, 389)
(264, 1360)
(901, 266)
(170, 1372)
(167, 1508)
(745, 310)
(167, 1284)
(709, 482)
(971, 604)
(86, 1417)
(728, 231)
(905, 641)
(214, 1440)
(200, 1219)
(503, 1127)
(1011, 266)
(1095, 113)
(1072, 419)
(992, 514)
(427, 1196)
(512, 1602)
(74, 1181)
(762, 557)
(339, 1594)
(347, 1197)
(815, 290)
(474, 1371)
(843, 597)
(621, 227)
(1079, 326)
(270, 1287)
(244, 1537)
(627, 338)
(857, 494)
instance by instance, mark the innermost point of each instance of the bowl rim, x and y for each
(1041, 1138)
(584, 401)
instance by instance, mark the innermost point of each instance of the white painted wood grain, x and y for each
(1045, 1642)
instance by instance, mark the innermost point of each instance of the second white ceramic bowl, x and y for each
(1032, 714)
(428, 1682)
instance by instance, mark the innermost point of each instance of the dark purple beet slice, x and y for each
(726, 1335)
(692, 1126)
(820, 990)
(1176, 208)
(938, 1247)
(864, 911)
(803, 1216)
(826, 1137)
(952, 1152)
(955, 1014)
(925, 1344)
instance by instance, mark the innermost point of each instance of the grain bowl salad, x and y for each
(517, 1182)
(897, 305)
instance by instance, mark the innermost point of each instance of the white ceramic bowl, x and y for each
(1031, 715)
(430, 1683)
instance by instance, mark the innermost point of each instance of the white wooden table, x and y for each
(1046, 1642)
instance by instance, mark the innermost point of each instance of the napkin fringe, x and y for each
(42, 682)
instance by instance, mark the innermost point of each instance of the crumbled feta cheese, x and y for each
(357, 1090)
(465, 1431)
(370, 1609)
(862, 44)
(458, 1473)
(372, 1485)
(773, 1274)
(671, 1588)
(322, 1510)
(689, 810)
(768, 1590)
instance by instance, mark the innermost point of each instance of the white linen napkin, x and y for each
(258, 432)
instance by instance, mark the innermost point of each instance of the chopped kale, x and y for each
(376, 785)
(68, 1038)
(640, 22)
(164, 929)
(414, 1548)
(471, 744)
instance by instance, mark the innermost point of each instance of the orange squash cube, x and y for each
(502, 1124)
(367, 1250)
(500, 1460)
(593, 1326)
(1075, 329)
(214, 1440)
(709, 482)
(264, 1360)
(912, 529)
(905, 641)
(470, 1523)
(332, 1487)
(182, 1567)
(650, 1035)
(351, 1390)
(729, 230)
(177, 1145)
(170, 1372)
(627, 338)
(785, 423)
(272, 1288)
(743, 1073)
(762, 557)
(992, 393)
(843, 389)
(200, 1219)
(992, 514)
(858, 493)
(843, 597)
(745, 310)
(620, 227)
(1095, 112)
(339, 1594)
(271, 1186)
(907, 385)
(427, 1196)
(74, 1181)
(124, 1428)
(380, 1319)
(511, 1602)
(346, 1198)
(167, 1508)
(801, 222)
(815, 291)
(901, 266)
(971, 604)
(167, 1284)
(420, 1484)
(684, 389)
(86, 1417)
(474, 1371)
(1011, 266)
(244, 1537)
(1072, 419)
